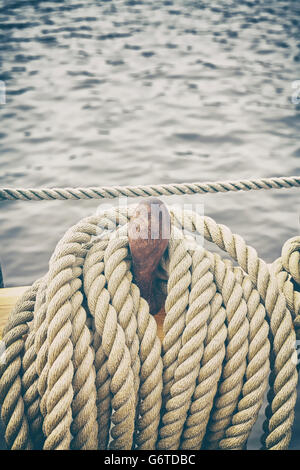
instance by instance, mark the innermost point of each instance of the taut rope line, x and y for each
(83, 367)
(179, 189)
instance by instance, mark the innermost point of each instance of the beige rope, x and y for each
(83, 367)
(12, 410)
(111, 192)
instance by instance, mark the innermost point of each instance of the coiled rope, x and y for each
(83, 367)
(111, 192)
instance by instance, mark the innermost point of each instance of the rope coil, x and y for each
(83, 367)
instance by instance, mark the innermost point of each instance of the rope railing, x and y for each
(179, 189)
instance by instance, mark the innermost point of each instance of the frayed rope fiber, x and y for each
(83, 367)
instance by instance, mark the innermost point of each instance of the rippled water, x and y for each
(137, 92)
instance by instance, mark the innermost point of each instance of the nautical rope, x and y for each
(179, 189)
(83, 367)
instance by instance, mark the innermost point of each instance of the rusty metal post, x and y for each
(149, 234)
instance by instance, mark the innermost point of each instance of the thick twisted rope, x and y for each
(12, 411)
(83, 367)
(111, 192)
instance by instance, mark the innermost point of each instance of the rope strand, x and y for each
(179, 189)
